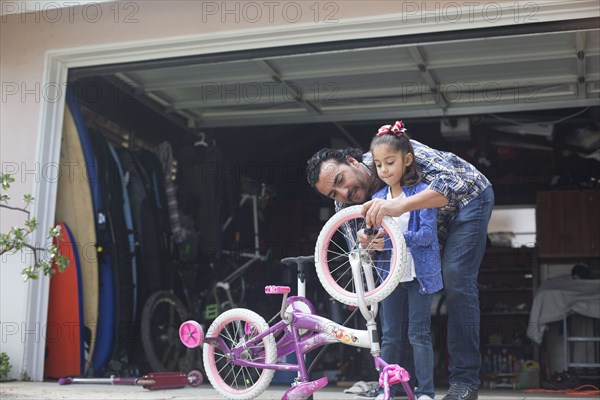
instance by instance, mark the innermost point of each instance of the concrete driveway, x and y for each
(52, 390)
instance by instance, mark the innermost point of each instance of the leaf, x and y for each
(29, 273)
(31, 224)
(55, 231)
(6, 179)
(62, 263)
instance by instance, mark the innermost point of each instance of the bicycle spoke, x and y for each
(337, 255)
(229, 373)
(340, 266)
(340, 247)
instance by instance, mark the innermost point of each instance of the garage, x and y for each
(519, 101)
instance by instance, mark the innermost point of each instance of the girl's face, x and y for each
(390, 163)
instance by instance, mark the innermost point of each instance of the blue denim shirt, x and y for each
(422, 240)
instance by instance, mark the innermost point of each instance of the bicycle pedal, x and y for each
(303, 390)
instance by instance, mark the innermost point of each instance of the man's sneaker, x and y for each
(424, 397)
(461, 391)
(370, 394)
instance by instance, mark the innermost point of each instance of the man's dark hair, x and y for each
(313, 167)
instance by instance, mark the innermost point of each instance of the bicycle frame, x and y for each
(224, 284)
(317, 331)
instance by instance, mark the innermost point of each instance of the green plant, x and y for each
(4, 365)
(16, 239)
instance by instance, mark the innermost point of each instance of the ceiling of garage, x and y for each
(479, 93)
(463, 77)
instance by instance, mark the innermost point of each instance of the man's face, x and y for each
(345, 183)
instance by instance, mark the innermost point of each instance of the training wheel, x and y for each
(195, 378)
(191, 334)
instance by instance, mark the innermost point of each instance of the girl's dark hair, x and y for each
(413, 174)
(313, 165)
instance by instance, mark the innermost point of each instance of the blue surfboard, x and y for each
(80, 290)
(106, 303)
(129, 224)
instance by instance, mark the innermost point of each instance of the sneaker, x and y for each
(370, 394)
(380, 397)
(461, 391)
(358, 387)
(561, 381)
(424, 397)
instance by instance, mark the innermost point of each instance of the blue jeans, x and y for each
(461, 259)
(403, 312)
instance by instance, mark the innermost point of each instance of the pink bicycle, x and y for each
(240, 350)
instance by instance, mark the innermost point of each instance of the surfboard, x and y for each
(117, 246)
(64, 330)
(74, 207)
(129, 224)
(146, 229)
(106, 293)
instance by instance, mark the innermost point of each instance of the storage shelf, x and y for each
(507, 280)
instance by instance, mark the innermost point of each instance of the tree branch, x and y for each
(15, 208)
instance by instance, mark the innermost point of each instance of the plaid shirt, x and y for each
(446, 173)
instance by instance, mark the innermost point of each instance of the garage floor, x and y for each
(48, 390)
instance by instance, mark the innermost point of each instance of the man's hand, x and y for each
(371, 242)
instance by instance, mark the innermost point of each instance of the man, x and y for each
(465, 200)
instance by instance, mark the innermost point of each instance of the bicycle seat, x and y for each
(300, 261)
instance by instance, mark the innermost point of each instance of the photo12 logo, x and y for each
(469, 11)
(71, 11)
(269, 11)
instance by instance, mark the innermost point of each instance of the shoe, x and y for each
(358, 387)
(461, 391)
(424, 397)
(380, 397)
(561, 381)
(370, 394)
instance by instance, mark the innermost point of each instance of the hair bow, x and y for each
(397, 129)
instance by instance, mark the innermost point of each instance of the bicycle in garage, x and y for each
(241, 350)
(224, 288)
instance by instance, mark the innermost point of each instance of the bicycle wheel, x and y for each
(162, 315)
(334, 244)
(236, 327)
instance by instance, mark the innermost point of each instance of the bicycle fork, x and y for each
(390, 374)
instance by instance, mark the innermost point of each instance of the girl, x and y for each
(410, 304)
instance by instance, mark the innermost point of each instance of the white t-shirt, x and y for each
(402, 221)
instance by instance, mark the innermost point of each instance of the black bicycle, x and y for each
(197, 292)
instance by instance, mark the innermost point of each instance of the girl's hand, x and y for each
(374, 210)
(371, 242)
